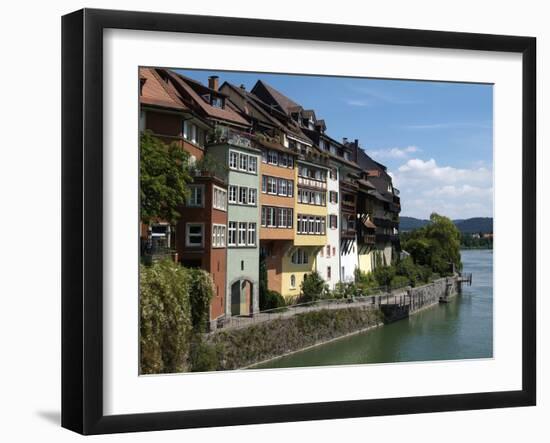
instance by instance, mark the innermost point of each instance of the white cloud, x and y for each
(384, 96)
(395, 153)
(447, 125)
(427, 187)
(356, 102)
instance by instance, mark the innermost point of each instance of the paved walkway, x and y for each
(398, 296)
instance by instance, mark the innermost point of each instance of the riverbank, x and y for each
(261, 343)
(459, 329)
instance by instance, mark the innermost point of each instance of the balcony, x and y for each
(347, 233)
(369, 239)
(348, 204)
(311, 183)
(198, 173)
(223, 134)
(383, 238)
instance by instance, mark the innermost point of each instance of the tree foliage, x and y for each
(436, 245)
(165, 319)
(313, 287)
(201, 292)
(164, 175)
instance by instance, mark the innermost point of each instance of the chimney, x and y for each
(345, 141)
(213, 82)
(243, 87)
(356, 143)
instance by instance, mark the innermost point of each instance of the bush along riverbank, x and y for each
(239, 348)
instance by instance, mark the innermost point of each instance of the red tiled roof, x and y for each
(157, 92)
(226, 114)
(282, 100)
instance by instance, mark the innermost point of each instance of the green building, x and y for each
(242, 160)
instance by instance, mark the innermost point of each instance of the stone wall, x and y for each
(427, 295)
(243, 347)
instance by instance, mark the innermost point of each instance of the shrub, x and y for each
(200, 294)
(346, 290)
(272, 300)
(313, 287)
(384, 275)
(165, 320)
(399, 281)
(202, 356)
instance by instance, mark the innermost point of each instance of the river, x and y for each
(462, 329)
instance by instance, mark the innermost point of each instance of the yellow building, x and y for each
(367, 259)
(310, 224)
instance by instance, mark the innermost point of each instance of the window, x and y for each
(328, 250)
(328, 272)
(193, 133)
(252, 164)
(243, 162)
(282, 187)
(142, 120)
(308, 197)
(218, 236)
(333, 250)
(299, 257)
(264, 184)
(280, 217)
(277, 217)
(251, 196)
(333, 174)
(233, 159)
(264, 156)
(196, 196)
(271, 185)
(333, 220)
(194, 234)
(243, 195)
(252, 234)
(220, 199)
(309, 224)
(217, 102)
(232, 238)
(233, 194)
(270, 217)
(242, 234)
(293, 281)
(333, 197)
(272, 158)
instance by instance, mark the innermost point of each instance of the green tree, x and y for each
(436, 245)
(313, 287)
(201, 292)
(164, 175)
(165, 319)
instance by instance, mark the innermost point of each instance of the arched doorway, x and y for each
(241, 297)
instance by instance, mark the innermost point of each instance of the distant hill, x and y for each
(475, 224)
(411, 223)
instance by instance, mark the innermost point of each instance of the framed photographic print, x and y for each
(269, 221)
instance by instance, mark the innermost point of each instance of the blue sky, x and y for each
(435, 137)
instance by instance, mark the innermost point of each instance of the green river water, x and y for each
(461, 329)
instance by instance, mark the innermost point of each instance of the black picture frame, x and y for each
(82, 218)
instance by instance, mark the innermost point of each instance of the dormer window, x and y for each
(217, 102)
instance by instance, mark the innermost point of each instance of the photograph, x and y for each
(301, 220)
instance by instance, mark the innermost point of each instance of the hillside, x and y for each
(475, 224)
